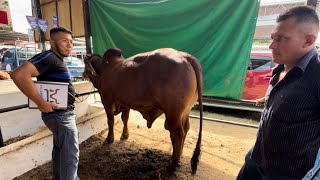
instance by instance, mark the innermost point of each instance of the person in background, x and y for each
(288, 138)
(49, 66)
(4, 75)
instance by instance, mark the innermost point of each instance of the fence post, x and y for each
(1, 139)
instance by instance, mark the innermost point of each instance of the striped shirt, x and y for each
(52, 68)
(289, 134)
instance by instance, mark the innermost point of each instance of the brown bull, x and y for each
(162, 81)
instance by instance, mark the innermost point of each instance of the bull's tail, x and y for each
(198, 70)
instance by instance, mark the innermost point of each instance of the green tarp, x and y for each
(219, 33)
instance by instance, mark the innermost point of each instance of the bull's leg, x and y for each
(110, 117)
(186, 126)
(177, 135)
(125, 117)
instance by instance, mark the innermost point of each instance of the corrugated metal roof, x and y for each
(9, 37)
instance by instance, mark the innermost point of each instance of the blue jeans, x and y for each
(65, 153)
(250, 170)
(314, 173)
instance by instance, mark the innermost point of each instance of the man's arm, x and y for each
(22, 77)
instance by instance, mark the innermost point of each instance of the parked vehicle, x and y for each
(256, 84)
(3, 49)
(75, 66)
(258, 75)
(15, 56)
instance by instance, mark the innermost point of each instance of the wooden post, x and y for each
(87, 25)
(1, 139)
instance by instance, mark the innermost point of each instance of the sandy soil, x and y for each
(145, 154)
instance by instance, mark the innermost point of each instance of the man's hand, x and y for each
(260, 101)
(47, 107)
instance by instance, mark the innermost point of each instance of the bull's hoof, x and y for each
(109, 140)
(173, 166)
(124, 137)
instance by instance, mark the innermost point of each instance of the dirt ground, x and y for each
(146, 153)
(16, 139)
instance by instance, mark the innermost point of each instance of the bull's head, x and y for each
(96, 64)
(91, 70)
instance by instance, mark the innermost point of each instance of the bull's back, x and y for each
(161, 67)
(156, 77)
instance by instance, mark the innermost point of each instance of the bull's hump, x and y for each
(172, 54)
(168, 53)
(162, 54)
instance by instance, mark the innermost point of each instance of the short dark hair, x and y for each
(60, 29)
(302, 14)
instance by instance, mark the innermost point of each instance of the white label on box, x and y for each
(56, 93)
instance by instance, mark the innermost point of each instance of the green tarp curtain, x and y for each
(219, 33)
